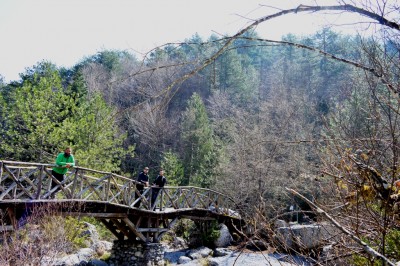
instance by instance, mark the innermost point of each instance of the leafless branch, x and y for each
(364, 245)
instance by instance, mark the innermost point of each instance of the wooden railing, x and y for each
(33, 181)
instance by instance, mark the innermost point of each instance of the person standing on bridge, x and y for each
(157, 185)
(143, 180)
(64, 161)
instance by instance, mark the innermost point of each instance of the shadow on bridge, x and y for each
(110, 198)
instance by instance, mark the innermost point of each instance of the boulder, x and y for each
(220, 252)
(183, 260)
(225, 238)
(305, 236)
(101, 247)
(198, 253)
(91, 232)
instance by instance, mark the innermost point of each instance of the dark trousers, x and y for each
(154, 194)
(141, 190)
(59, 177)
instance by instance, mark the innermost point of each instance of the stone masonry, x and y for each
(128, 253)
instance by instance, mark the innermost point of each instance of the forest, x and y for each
(252, 118)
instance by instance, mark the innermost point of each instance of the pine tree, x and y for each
(173, 168)
(34, 111)
(41, 117)
(200, 154)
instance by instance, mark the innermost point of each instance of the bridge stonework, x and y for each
(128, 253)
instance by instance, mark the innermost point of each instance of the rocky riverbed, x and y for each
(229, 256)
(177, 253)
(203, 256)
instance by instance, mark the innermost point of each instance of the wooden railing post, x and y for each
(39, 185)
(108, 189)
(161, 199)
(1, 172)
(74, 182)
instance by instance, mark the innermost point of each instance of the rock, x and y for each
(91, 232)
(225, 238)
(173, 256)
(213, 263)
(99, 248)
(179, 242)
(198, 253)
(183, 260)
(249, 259)
(107, 245)
(85, 253)
(220, 252)
(95, 262)
(326, 251)
(280, 223)
(69, 260)
(257, 245)
(305, 236)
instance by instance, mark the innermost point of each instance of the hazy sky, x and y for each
(65, 31)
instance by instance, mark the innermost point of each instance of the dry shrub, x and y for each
(43, 237)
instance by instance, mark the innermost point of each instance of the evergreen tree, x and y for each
(173, 168)
(235, 79)
(93, 130)
(34, 110)
(41, 118)
(200, 154)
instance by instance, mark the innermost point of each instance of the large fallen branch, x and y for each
(364, 245)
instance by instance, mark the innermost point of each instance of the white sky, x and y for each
(65, 31)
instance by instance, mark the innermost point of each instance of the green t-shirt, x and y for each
(62, 161)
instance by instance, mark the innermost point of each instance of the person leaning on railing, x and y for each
(143, 181)
(64, 161)
(158, 183)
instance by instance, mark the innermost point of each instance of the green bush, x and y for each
(74, 229)
(210, 234)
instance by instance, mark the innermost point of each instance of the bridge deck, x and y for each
(25, 189)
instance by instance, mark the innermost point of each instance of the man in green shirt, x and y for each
(64, 161)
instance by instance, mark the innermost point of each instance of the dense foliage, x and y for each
(41, 116)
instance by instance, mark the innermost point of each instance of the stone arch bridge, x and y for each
(25, 189)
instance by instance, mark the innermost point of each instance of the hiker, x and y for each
(64, 161)
(157, 185)
(143, 180)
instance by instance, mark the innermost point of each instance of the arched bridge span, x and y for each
(25, 188)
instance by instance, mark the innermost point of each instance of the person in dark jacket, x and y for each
(64, 161)
(157, 185)
(143, 180)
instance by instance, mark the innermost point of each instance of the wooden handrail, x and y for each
(27, 180)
